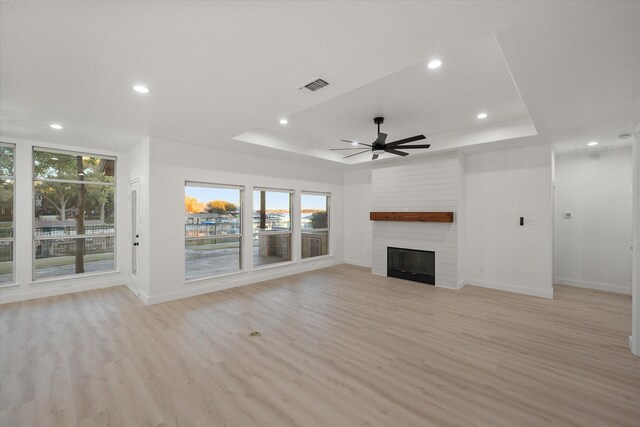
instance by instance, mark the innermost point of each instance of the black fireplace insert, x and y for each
(412, 264)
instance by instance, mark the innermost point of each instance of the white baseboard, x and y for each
(144, 298)
(357, 263)
(438, 285)
(634, 346)
(134, 291)
(454, 287)
(593, 285)
(229, 282)
(543, 293)
(40, 291)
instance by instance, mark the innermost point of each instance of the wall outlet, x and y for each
(568, 215)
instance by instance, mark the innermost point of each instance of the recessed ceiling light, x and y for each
(482, 116)
(141, 89)
(284, 121)
(354, 143)
(592, 143)
(434, 63)
(56, 126)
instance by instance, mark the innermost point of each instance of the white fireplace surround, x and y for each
(418, 185)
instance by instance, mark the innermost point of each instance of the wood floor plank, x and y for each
(338, 347)
(130, 395)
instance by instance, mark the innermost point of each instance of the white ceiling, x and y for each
(219, 69)
(441, 104)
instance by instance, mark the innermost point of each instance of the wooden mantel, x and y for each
(412, 216)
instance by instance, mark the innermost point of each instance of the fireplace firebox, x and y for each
(412, 264)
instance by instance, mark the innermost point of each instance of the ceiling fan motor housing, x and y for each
(377, 144)
(380, 143)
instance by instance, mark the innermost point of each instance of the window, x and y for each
(271, 226)
(314, 224)
(213, 230)
(7, 181)
(74, 213)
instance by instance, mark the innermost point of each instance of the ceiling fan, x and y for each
(379, 144)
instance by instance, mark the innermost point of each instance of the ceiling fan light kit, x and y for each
(380, 145)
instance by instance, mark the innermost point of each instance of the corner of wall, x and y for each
(358, 230)
(635, 302)
(460, 217)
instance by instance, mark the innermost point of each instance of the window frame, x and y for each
(258, 233)
(11, 239)
(35, 239)
(327, 229)
(239, 236)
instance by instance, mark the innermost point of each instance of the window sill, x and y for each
(316, 258)
(270, 233)
(81, 276)
(274, 265)
(8, 285)
(200, 279)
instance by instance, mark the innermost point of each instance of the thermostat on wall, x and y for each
(568, 215)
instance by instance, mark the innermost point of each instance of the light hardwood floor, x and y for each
(339, 347)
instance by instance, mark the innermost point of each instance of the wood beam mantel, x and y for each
(412, 216)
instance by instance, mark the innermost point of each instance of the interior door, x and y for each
(134, 236)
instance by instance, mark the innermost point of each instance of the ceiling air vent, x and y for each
(315, 84)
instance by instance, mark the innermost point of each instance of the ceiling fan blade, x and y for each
(359, 143)
(396, 152)
(382, 137)
(406, 140)
(375, 156)
(354, 148)
(406, 147)
(351, 155)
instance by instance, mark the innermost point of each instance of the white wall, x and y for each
(502, 186)
(173, 163)
(357, 226)
(25, 288)
(420, 184)
(592, 248)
